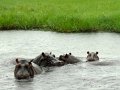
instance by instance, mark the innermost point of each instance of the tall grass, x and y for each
(61, 15)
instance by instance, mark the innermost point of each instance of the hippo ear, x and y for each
(50, 52)
(43, 54)
(70, 53)
(66, 55)
(53, 55)
(88, 52)
(30, 62)
(17, 60)
(96, 52)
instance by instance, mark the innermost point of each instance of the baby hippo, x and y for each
(68, 58)
(92, 56)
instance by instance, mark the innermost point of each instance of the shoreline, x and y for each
(67, 16)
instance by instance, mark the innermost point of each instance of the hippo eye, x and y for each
(89, 54)
(54, 56)
(26, 66)
(18, 66)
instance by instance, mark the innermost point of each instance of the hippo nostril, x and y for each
(27, 75)
(91, 59)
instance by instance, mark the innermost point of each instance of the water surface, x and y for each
(82, 76)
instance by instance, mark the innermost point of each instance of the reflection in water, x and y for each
(103, 75)
(24, 85)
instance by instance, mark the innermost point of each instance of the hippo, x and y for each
(25, 69)
(93, 56)
(68, 58)
(47, 59)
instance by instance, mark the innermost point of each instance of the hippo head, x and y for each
(23, 69)
(64, 57)
(93, 56)
(47, 59)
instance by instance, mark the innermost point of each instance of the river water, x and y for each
(102, 75)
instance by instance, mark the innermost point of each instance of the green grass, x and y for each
(61, 15)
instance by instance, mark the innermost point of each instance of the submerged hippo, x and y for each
(47, 59)
(93, 56)
(68, 58)
(25, 69)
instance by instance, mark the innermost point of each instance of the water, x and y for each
(103, 75)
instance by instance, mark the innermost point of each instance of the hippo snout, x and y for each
(91, 59)
(23, 76)
(60, 63)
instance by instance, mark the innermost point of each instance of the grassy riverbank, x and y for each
(61, 15)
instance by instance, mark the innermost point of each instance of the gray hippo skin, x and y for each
(26, 69)
(23, 69)
(92, 56)
(47, 59)
(68, 58)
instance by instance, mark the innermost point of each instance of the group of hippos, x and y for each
(26, 69)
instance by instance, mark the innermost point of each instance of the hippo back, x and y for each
(37, 69)
(47, 59)
(69, 58)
